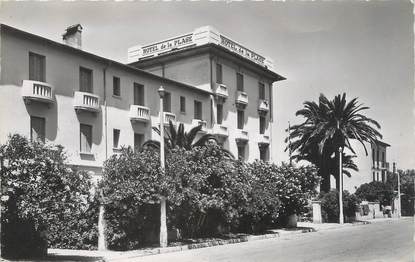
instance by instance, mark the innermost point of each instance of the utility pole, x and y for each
(399, 189)
(341, 219)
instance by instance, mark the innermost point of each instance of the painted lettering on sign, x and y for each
(167, 45)
(231, 45)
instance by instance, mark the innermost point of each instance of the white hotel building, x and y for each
(58, 93)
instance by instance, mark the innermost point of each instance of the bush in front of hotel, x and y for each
(43, 200)
(208, 194)
(330, 206)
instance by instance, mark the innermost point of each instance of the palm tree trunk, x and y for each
(325, 176)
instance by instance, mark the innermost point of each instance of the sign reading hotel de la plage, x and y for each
(186, 40)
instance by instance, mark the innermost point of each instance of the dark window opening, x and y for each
(240, 119)
(138, 94)
(85, 80)
(198, 110)
(85, 138)
(37, 129)
(167, 102)
(138, 141)
(182, 104)
(262, 125)
(37, 67)
(239, 82)
(241, 152)
(219, 114)
(116, 138)
(261, 91)
(219, 74)
(116, 88)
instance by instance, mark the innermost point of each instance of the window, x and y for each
(373, 160)
(262, 124)
(219, 113)
(116, 89)
(115, 138)
(167, 102)
(182, 104)
(241, 152)
(138, 141)
(239, 82)
(219, 73)
(85, 80)
(383, 159)
(138, 94)
(37, 67)
(374, 178)
(377, 176)
(263, 153)
(198, 110)
(377, 157)
(240, 119)
(37, 129)
(261, 91)
(85, 138)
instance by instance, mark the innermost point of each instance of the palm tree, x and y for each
(180, 138)
(328, 126)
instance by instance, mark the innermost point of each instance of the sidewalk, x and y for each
(94, 255)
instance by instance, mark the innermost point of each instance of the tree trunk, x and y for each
(325, 176)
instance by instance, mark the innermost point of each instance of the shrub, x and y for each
(376, 191)
(330, 206)
(41, 193)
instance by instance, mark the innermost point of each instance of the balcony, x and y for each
(86, 102)
(263, 106)
(139, 113)
(241, 98)
(169, 117)
(220, 130)
(221, 91)
(264, 139)
(241, 136)
(37, 91)
(197, 122)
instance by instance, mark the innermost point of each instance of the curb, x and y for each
(212, 243)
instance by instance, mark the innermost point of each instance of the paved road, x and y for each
(385, 241)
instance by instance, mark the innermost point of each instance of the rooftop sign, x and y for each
(198, 37)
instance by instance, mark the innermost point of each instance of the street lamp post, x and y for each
(341, 219)
(163, 223)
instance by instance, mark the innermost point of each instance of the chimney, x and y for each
(73, 36)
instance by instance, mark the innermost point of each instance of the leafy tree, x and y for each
(41, 193)
(376, 191)
(328, 126)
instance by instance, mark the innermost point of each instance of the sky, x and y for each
(362, 48)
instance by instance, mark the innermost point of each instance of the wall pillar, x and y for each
(102, 245)
(317, 218)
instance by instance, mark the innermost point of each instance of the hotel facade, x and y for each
(60, 94)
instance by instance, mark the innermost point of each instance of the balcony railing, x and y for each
(220, 130)
(139, 113)
(264, 139)
(169, 117)
(241, 135)
(197, 122)
(263, 106)
(221, 90)
(86, 102)
(241, 98)
(37, 91)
